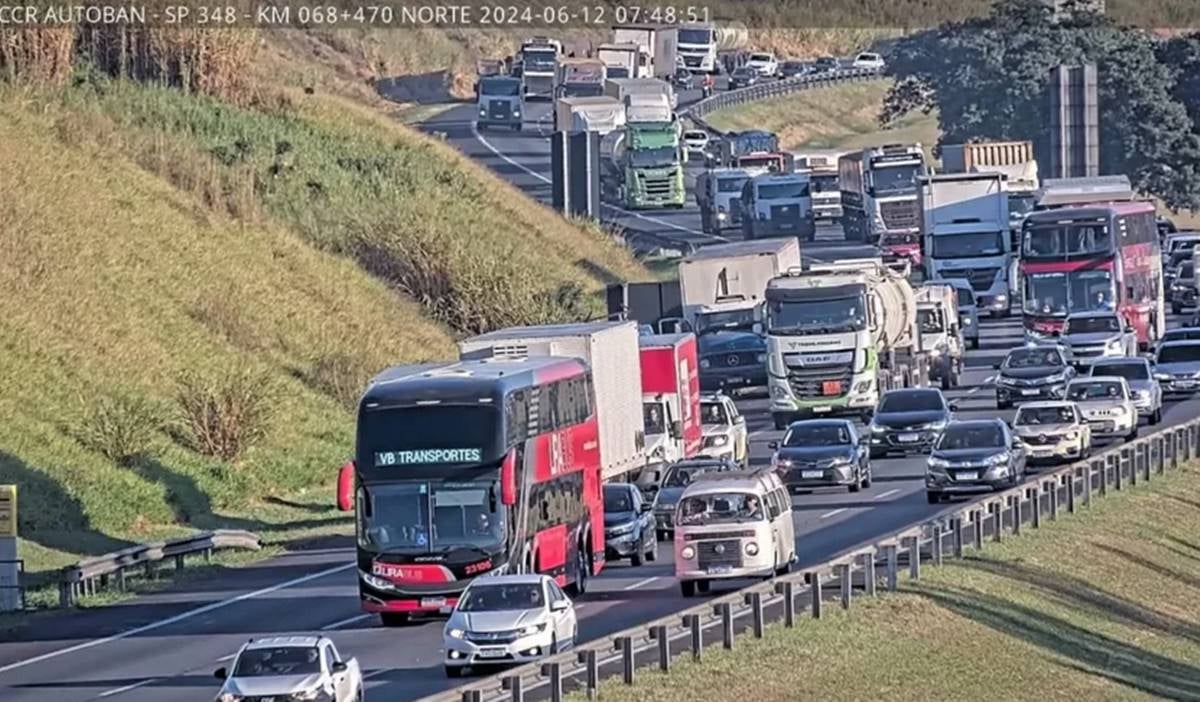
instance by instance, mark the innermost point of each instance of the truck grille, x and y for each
(785, 215)
(980, 279)
(899, 215)
(498, 109)
(730, 553)
(657, 187)
(730, 360)
(826, 381)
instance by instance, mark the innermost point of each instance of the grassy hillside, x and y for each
(1099, 606)
(845, 116)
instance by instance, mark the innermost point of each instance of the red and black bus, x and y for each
(473, 468)
(1095, 257)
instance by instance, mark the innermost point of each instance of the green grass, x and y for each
(1097, 606)
(840, 117)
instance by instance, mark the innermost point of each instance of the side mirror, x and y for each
(740, 419)
(646, 506)
(653, 489)
(559, 605)
(953, 406)
(508, 479)
(773, 445)
(220, 673)
(676, 429)
(345, 488)
(339, 667)
(757, 328)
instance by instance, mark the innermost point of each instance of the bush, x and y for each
(340, 375)
(226, 413)
(120, 427)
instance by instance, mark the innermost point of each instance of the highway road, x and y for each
(163, 647)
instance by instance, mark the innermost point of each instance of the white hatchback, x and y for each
(868, 60)
(764, 64)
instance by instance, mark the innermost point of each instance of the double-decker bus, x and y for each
(1095, 257)
(472, 468)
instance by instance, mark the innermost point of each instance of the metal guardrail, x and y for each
(880, 561)
(93, 574)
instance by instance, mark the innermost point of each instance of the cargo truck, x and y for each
(698, 47)
(657, 306)
(965, 230)
(941, 332)
(620, 60)
(718, 195)
(838, 335)
(642, 165)
(880, 193)
(753, 149)
(623, 88)
(501, 102)
(823, 184)
(610, 349)
(670, 402)
(778, 204)
(487, 67)
(538, 61)
(588, 114)
(1012, 158)
(658, 46)
(579, 77)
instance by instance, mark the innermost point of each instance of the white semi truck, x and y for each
(588, 114)
(611, 350)
(698, 47)
(539, 66)
(941, 332)
(838, 335)
(622, 88)
(621, 60)
(659, 45)
(964, 225)
(880, 190)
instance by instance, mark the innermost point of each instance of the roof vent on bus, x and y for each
(449, 371)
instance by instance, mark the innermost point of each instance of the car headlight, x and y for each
(1071, 435)
(228, 697)
(621, 529)
(1162, 376)
(936, 351)
(1114, 344)
(751, 549)
(839, 461)
(533, 629)
(455, 633)
(307, 695)
(965, 321)
(704, 363)
(482, 112)
(781, 462)
(716, 441)
(998, 459)
(877, 429)
(516, 113)
(760, 358)
(687, 553)
(1057, 378)
(938, 464)
(936, 426)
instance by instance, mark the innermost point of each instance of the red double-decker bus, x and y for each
(473, 468)
(1095, 257)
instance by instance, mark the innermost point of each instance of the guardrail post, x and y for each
(512, 684)
(892, 566)
(788, 591)
(472, 696)
(554, 672)
(1150, 456)
(65, 598)
(149, 568)
(692, 622)
(754, 599)
(624, 644)
(998, 519)
(659, 634)
(1055, 483)
(592, 674)
(121, 579)
(1035, 496)
(869, 579)
(1119, 461)
(726, 614)
(816, 595)
(1015, 500)
(179, 561)
(1070, 481)
(914, 557)
(935, 551)
(977, 523)
(957, 526)
(845, 584)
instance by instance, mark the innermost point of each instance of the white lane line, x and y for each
(655, 220)
(889, 493)
(984, 385)
(833, 513)
(640, 583)
(178, 617)
(344, 622)
(127, 688)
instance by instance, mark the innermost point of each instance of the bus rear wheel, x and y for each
(582, 573)
(394, 618)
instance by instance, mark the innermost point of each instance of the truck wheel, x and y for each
(1176, 308)
(517, 127)
(975, 343)
(781, 421)
(1156, 418)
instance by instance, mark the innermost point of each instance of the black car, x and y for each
(1032, 373)
(825, 63)
(791, 69)
(908, 421)
(677, 478)
(628, 525)
(974, 456)
(818, 453)
(743, 78)
(683, 79)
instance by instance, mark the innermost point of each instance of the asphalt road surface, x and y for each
(163, 647)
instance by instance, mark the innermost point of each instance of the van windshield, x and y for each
(720, 508)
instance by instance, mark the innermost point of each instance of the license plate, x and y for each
(719, 570)
(967, 476)
(831, 387)
(909, 438)
(492, 653)
(1185, 383)
(1029, 392)
(821, 410)
(735, 380)
(433, 602)
(812, 474)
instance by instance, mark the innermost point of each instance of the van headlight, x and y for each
(704, 363)
(687, 553)
(1114, 344)
(455, 633)
(751, 549)
(716, 441)
(533, 629)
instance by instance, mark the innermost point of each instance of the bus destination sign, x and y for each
(428, 456)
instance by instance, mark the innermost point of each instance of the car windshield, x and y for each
(826, 62)
(502, 598)
(783, 191)
(731, 185)
(501, 87)
(968, 245)
(817, 316)
(1182, 353)
(912, 401)
(1180, 335)
(695, 136)
(617, 499)
(284, 660)
(966, 297)
(1187, 270)
(726, 319)
(970, 437)
(1092, 325)
(424, 516)
(1133, 370)
(886, 179)
(720, 508)
(1045, 415)
(1033, 358)
(713, 413)
(652, 416)
(868, 57)
(682, 474)
(762, 58)
(817, 435)
(1095, 391)
(1057, 240)
(1061, 293)
(744, 73)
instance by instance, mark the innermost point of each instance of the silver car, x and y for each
(1106, 405)
(1177, 366)
(1147, 394)
(290, 668)
(1088, 336)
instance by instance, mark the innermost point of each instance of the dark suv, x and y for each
(974, 456)
(628, 525)
(908, 421)
(1032, 373)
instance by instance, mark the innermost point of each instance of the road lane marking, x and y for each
(640, 583)
(127, 688)
(889, 493)
(654, 220)
(350, 620)
(184, 616)
(835, 512)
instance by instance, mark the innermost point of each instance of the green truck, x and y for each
(642, 164)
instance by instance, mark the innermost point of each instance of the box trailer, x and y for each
(588, 114)
(611, 350)
(670, 401)
(737, 271)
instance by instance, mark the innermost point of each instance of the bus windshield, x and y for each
(720, 508)
(1060, 293)
(818, 316)
(429, 516)
(1062, 240)
(968, 245)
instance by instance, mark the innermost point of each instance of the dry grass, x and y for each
(1100, 606)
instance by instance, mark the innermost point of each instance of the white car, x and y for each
(1107, 405)
(725, 434)
(764, 64)
(1053, 432)
(507, 619)
(869, 60)
(1088, 336)
(290, 668)
(695, 140)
